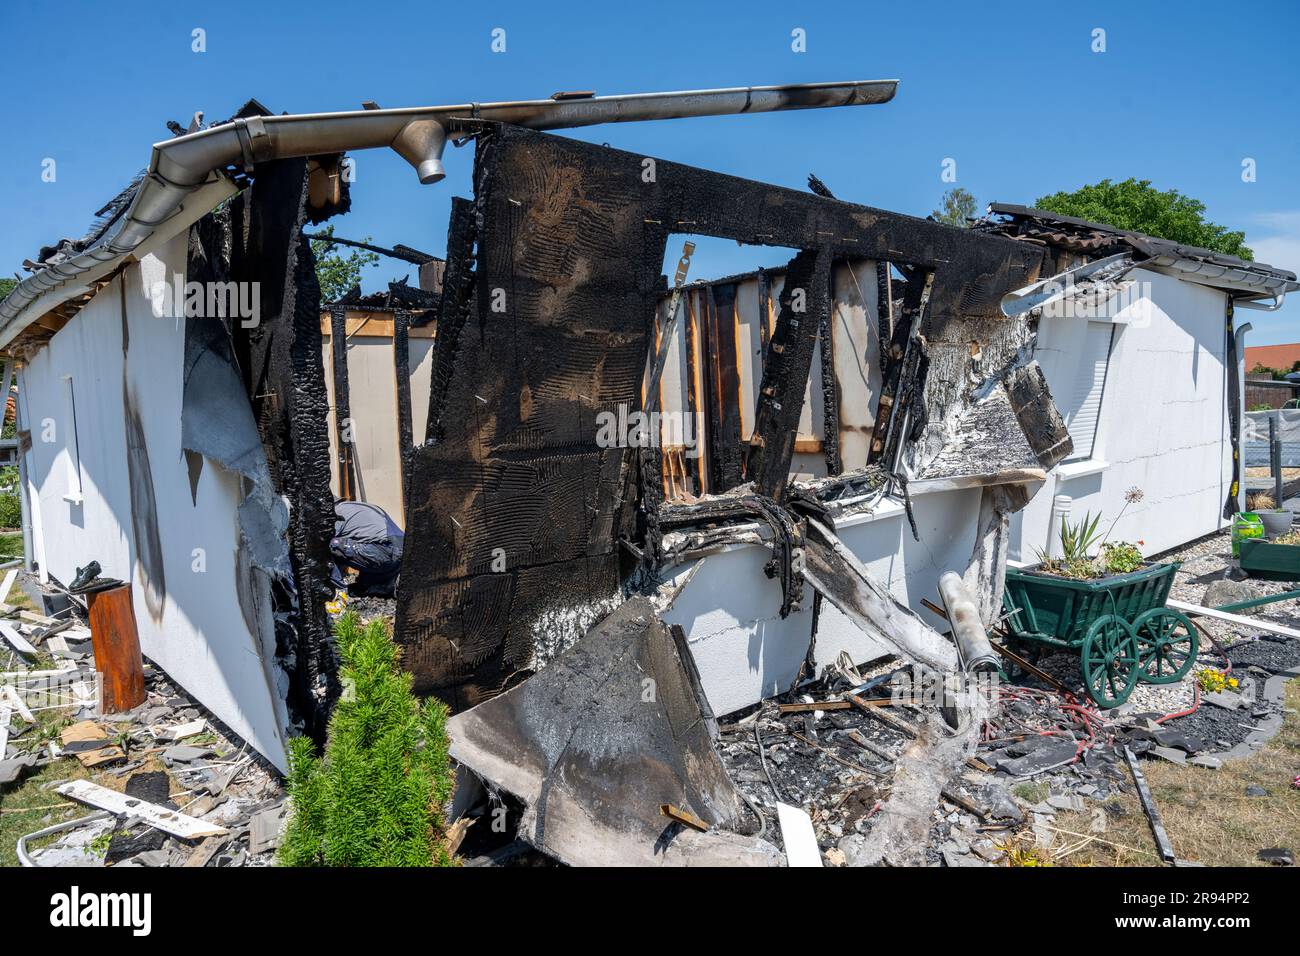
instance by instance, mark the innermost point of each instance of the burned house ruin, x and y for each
(863, 419)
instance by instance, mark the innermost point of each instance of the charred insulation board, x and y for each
(515, 508)
(596, 743)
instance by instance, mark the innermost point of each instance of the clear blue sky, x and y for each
(1011, 91)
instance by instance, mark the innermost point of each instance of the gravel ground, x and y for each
(1272, 653)
(1210, 559)
(1203, 562)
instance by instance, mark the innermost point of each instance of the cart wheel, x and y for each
(1167, 645)
(1108, 658)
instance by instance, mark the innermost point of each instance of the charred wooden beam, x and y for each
(725, 379)
(453, 309)
(901, 347)
(805, 299)
(285, 377)
(342, 401)
(830, 392)
(1039, 418)
(402, 373)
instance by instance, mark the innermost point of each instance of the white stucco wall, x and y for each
(1163, 425)
(198, 635)
(729, 609)
(372, 399)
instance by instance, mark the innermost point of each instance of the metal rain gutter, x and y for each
(179, 166)
(1252, 283)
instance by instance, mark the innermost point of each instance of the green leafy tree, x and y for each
(7, 286)
(1138, 206)
(339, 273)
(958, 206)
(377, 796)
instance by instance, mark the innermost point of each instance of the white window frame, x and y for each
(1093, 461)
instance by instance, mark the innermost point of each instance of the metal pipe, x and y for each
(181, 165)
(20, 849)
(1260, 306)
(1275, 459)
(973, 647)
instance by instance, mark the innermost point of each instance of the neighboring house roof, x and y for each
(1248, 280)
(1272, 356)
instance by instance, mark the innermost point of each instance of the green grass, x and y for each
(1031, 792)
(11, 546)
(28, 806)
(1206, 813)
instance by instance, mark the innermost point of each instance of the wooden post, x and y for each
(117, 647)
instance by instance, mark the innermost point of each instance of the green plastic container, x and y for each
(1246, 525)
(1059, 611)
(1273, 562)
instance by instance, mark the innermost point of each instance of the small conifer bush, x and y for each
(377, 796)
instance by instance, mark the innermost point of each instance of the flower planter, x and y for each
(1119, 625)
(1273, 562)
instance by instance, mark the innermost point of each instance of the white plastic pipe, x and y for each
(1061, 506)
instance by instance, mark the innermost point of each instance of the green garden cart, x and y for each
(1118, 625)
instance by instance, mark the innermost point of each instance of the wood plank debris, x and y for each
(7, 584)
(16, 640)
(684, 817)
(1025, 665)
(886, 718)
(179, 731)
(802, 707)
(169, 821)
(456, 833)
(10, 693)
(90, 744)
(957, 800)
(861, 740)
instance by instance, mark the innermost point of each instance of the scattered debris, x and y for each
(169, 821)
(1277, 856)
(596, 743)
(1163, 845)
(797, 836)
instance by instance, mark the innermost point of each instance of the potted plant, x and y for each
(1276, 559)
(1105, 601)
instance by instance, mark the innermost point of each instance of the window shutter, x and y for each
(1085, 403)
